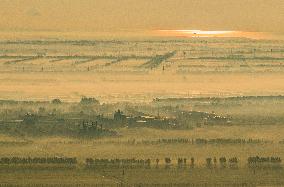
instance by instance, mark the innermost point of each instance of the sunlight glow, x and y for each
(201, 33)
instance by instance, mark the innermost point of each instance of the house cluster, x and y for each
(144, 120)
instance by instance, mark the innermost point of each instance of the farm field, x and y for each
(110, 69)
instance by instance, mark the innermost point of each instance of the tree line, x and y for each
(38, 160)
(118, 163)
(264, 162)
(210, 162)
(190, 141)
(167, 162)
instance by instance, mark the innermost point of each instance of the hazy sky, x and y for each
(113, 15)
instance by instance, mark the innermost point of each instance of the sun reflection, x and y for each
(201, 33)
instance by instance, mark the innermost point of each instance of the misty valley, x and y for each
(155, 112)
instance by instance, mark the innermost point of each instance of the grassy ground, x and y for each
(121, 147)
(143, 177)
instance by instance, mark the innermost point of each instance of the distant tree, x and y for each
(208, 162)
(41, 110)
(56, 101)
(30, 119)
(192, 162)
(89, 101)
(157, 161)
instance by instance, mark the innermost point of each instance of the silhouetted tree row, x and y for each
(89, 101)
(228, 141)
(175, 140)
(204, 141)
(38, 160)
(223, 162)
(118, 163)
(256, 162)
(134, 163)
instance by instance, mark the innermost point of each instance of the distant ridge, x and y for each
(218, 98)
